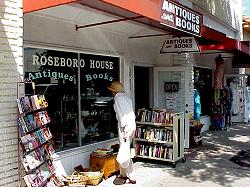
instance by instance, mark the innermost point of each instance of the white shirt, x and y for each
(124, 112)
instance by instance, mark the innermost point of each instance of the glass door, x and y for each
(171, 91)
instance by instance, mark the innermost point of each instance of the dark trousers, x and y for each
(228, 118)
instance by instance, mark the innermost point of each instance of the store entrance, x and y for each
(176, 100)
(141, 85)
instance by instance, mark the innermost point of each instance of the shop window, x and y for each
(203, 84)
(98, 121)
(64, 76)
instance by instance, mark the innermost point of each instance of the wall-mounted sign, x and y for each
(171, 86)
(43, 64)
(171, 102)
(180, 17)
(180, 44)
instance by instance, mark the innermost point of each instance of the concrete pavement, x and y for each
(206, 165)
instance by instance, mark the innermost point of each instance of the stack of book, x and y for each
(156, 115)
(102, 152)
(34, 102)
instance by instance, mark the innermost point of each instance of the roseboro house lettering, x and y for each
(55, 61)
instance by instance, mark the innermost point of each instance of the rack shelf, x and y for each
(159, 135)
(34, 138)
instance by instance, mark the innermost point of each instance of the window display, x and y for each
(75, 85)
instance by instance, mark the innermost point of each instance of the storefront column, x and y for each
(11, 59)
(187, 60)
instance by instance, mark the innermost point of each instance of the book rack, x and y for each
(35, 139)
(159, 135)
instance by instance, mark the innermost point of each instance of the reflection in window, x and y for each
(203, 84)
(98, 120)
(55, 74)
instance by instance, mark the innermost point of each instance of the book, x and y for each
(46, 133)
(33, 179)
(44, 117)
(38, 120)
(23, 123)
(27, 105)
(32, 121)
(41, 135)
(28, 142)
(102, 152)
(34, 101)
(42, 102)
(22, 131)
(19, 105)
(49, 149)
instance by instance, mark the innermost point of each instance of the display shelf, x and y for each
(155, 158)
(159, 135)
(153, 141)
(35, 139)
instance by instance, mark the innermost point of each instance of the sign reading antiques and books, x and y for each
(180, 44)
(180, 17)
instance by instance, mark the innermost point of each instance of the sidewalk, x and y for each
(206, 165)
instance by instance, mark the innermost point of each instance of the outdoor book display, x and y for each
(159, 135)
(35, 140)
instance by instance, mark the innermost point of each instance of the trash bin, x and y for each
(195, 137)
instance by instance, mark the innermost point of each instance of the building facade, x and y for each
(73, 50)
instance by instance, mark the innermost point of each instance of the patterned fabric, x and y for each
(218, 76)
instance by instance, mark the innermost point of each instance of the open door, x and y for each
(239, 105)
(171, 91)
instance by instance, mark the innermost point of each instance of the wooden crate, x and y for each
(107, 163)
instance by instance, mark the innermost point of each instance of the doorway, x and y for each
(177, 101)
(141, 86)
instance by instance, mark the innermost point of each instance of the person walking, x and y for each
(126, 130)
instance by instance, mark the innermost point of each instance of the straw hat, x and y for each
(116, 86)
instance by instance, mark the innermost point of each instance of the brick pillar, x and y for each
(11, 62)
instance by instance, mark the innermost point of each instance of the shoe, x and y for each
(119, 180)
(131, 181)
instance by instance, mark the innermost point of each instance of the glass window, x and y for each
(57, 75)
(97, 115)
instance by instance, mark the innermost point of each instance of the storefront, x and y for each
(74, 51)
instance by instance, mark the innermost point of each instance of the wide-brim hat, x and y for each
(116, 87)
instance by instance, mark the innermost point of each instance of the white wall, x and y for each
(52, 32)
(11, 30)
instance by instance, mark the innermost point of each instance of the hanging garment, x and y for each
(246, 104)
(236, 98)
(227, 99)
(197, 104)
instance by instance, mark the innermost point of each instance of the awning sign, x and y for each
(179, 45)
(182, 18)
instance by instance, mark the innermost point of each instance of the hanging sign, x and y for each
(179, 45)
(180, 17)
